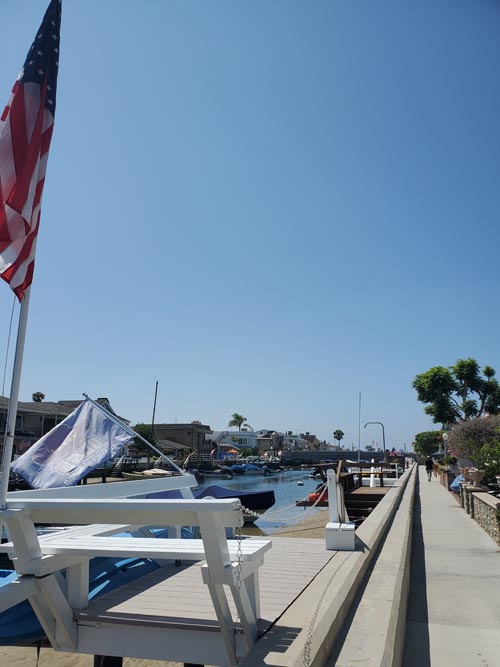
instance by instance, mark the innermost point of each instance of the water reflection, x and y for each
(286, 492)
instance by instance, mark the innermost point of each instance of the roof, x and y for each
(169, 444)
(42, 407)
(61, 408)
(192, 426)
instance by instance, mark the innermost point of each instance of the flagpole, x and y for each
(8, 444)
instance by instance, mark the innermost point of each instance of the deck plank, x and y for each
(175, 596)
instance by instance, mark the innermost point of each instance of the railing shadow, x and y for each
(417, 644)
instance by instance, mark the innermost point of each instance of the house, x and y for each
(311, 439)
(102, 401)
(294, 441)
(270, 441)
(264, 440)
(240, 439)
(192, 437)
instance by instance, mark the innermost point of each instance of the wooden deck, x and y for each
(374, 494)
(169, 615)
(367, 491)
(176, 597)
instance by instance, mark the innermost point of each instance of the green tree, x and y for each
(249, 451)
(237, 420)
(458, 393)
(338, 435)
(145, 431)
(427, 442)
(38, 396)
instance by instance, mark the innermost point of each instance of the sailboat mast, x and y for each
(359, 428)
(8, 444)
(154, 410)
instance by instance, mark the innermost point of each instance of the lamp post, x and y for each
(383, 431)
(445, 442)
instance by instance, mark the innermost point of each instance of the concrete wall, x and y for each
(305, 634)
(311, 457)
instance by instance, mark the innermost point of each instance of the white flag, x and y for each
(79, 444)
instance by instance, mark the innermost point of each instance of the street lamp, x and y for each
(445, 442)
(383, 431)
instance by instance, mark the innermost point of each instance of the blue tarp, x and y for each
(455, 485)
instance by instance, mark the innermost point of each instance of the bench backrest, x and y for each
(140, 512)
(111, 489)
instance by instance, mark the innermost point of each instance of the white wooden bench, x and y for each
(231, 563)
(137, 547)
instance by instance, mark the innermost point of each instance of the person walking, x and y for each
(429, 465)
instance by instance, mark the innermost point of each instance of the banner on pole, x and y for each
(86, 439)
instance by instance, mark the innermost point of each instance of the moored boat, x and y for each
(257, 501)
(151, 473)
(218, 473)
(237, 469)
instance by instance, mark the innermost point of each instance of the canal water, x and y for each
(288, 487)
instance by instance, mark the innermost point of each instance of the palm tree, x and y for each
(237, 420)
(38, 396)
(338, 435)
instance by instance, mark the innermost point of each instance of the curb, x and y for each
(396, 632)
(305, 634)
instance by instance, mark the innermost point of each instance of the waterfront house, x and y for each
(192, 437)
(241, 439)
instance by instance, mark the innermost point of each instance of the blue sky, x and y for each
(266, 206)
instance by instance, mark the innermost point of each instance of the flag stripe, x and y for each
(22, 256)
(46, 139)
(19, 194)
(18, 129)
(3, 221)
(26, 128)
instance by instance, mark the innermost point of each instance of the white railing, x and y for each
(92, 514)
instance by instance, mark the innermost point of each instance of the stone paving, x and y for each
(454, 605)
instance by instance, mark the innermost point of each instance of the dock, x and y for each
(420, 588)
(176, 600)
(359, 502)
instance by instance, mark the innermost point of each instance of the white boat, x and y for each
(151, 473)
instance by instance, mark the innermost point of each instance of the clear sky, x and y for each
(267, 206)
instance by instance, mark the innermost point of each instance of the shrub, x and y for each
(467, 439)
(488, 459)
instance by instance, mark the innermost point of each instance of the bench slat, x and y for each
(136, 547)
(92, 530)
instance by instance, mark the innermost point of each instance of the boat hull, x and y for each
(258, 501)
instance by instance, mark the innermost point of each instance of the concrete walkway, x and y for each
(454, 605)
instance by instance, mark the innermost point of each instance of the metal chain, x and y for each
(237, 624)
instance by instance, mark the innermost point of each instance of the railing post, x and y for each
(333, 509)
(339, 535)
(372, 476)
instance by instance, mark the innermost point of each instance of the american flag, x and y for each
(25, 133)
